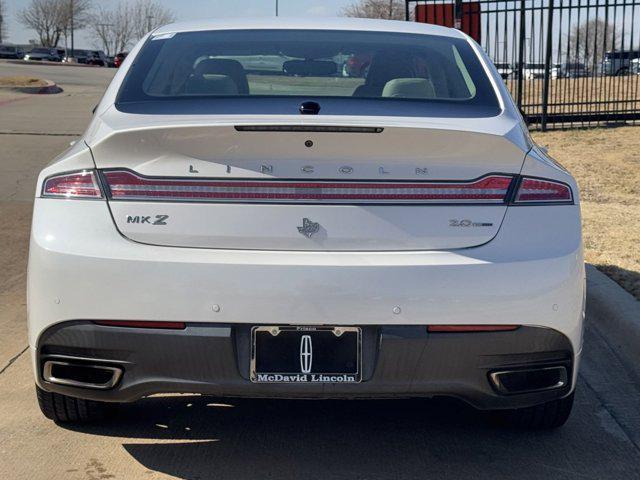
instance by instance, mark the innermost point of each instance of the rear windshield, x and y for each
(224, 68)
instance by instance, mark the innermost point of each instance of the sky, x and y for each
(190, 10)
(500, 45)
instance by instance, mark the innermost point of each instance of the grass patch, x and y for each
(606, 164)
(18, 81)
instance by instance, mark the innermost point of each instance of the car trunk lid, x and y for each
(280, 186)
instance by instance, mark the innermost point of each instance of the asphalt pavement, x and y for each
(197, 437)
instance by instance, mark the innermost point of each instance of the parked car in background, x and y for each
(45, 54)
(79, 56)
(119, 58)
(618, 62)
(264, 64)
(504, 69)
(297, 233)
(11, 51)
(571, 70)
(97, 57)
(533, 70)
(110, 62)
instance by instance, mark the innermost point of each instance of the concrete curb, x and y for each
(47, 89)
(618, 314)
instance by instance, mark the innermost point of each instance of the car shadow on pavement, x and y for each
(199, 437)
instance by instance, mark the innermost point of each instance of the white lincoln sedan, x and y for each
(242, 219)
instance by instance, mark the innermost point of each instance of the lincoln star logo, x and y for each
(308, 227)
(306, 354)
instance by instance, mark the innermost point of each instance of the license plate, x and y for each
(305, 354)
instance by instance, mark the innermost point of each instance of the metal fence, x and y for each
(566, 62)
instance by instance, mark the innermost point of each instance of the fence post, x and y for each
(457, 15)
(547, 68)
(521, 53)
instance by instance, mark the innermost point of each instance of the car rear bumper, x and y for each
(398, 361)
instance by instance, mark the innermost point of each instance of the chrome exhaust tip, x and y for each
(529, 380)
(81, 374)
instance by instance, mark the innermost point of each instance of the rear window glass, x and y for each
(310, 64)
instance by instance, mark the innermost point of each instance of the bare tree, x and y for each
(113, 29)
(3, 20)
(117, 28)
(148, 15)
(589, 41)
(386, 9)
(74, 14)
(43, 16)
(51, 19)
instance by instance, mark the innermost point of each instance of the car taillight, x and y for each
(538, 190)
(83, 184)
(126, 185)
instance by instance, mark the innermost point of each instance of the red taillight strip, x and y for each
(126, 185)
(470, 328)
(540, 190)
(82, 184)
(142, 324)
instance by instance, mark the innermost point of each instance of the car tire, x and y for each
(545, 416)
(64, 409)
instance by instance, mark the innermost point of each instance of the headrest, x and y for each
(218, 65)
(212, 85)
(224, 66)
(409, 88)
